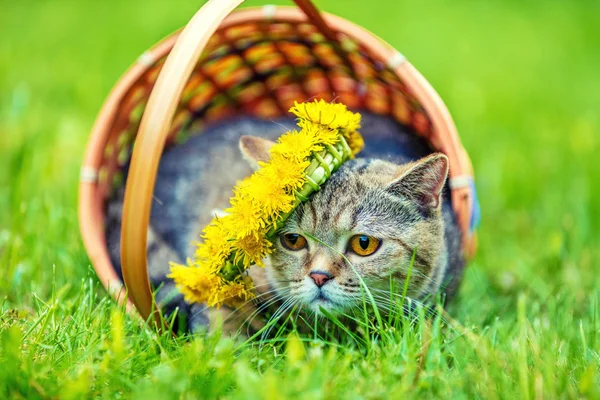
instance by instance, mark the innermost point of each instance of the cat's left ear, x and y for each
(255, 149)
(423, 181)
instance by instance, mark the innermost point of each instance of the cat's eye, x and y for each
(293, 241)
(364, 245)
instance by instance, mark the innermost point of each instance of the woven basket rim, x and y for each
(91, 212)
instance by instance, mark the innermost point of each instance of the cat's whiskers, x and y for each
(408, 301)
(281, 311)
(275, 293)
(428, 279)
(238, 308)
(248, 321)
(256, 300)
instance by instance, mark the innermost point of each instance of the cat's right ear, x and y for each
(423, 181)
(255, 149)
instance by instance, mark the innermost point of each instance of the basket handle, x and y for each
(313, 14)
(151, 138)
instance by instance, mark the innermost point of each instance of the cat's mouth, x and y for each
(322, 300)
(322, 297)
(313, 298)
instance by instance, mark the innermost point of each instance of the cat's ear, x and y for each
(423, 181)
(255, 149)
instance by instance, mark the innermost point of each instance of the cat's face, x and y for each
(364, 224)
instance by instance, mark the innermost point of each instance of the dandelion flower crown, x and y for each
(300, 162)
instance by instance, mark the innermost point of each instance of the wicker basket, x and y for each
(254, 61)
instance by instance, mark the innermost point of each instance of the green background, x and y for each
(521, 79)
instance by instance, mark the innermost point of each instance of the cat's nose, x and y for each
(319, 277)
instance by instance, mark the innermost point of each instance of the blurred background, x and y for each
(521, 80)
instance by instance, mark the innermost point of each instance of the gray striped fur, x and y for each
(196, 178)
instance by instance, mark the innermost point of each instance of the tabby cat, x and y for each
(368, 221)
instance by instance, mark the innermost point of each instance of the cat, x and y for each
(368, 219)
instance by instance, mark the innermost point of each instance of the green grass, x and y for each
(521, 80)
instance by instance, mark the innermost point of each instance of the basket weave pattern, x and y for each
(260, 68)
(255, 63)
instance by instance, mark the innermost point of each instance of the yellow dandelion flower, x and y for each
(235, 293)
(295, 145)
(261, 203)
(355, 142)
(333, 115)
(245, 214)
(251, 249)
(274, 199)
(216, 245)
(322, 135)
(196, 284)
(287, 172)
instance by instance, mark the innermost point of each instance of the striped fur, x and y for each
(192, 182)
(398, 204)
